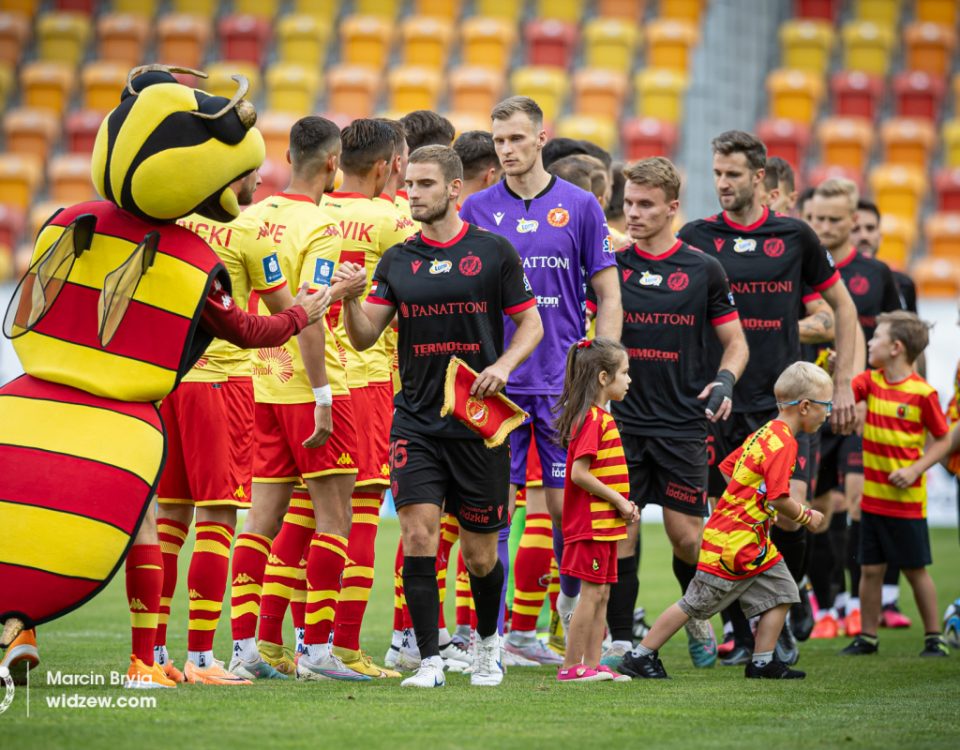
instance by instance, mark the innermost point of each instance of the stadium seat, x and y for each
(823, 10)
(625, 10)
(947, 189)
(845, 141)
(292, 88)
(899, 236)
(943, 12)
(62, 37)
(275, 176)
(548, 86)
(821, 172)
(144, 8)
(323, 10)
(643, 137)
(19, 177)
(220, 83)
(942, 233)
(464, 121)
(25, 8)
(182, 39)
(102, 82)
(598, 130)
(244, 38)
(569, 11)
(918, 94)
(14, 36)
(881, 12)
(31, 132)
(69, 179)
(794, 94)
(387, 9)
(867, 47)
(47, 85)
(475, 90)
(81, 130)
(12, 219)
(202, 8)
(856, 94)
(659, 93)
(302, 40)
(937, 277)
(366, 41)
(610, 43)
(670, 43)
(265, 9)
(929, 47)
(787, 139)
(426, 41)
(683, 10)
(807, 44)
(448, 10)
(413, 87)
(898, 189)
(275, 129)
(122, 38)
(86, 7)
(6, 84)
(599, 92)
(550, 42)
(488, 42)
(353, 89)
(907, 141)
(498, 9)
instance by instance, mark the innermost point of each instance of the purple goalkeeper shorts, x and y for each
(553, 458)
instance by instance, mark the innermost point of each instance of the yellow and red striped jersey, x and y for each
(953, 416)
(587, 516)
(736, 540)
(899, 416)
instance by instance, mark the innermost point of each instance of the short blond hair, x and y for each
(837, 187)
(801, 380)
(655, 172)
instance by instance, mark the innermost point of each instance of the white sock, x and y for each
(202, 659)
(641, 650)
(762, 658)
(445, 637)
(396, 640)
(566, 604)
(316, 652)
(160, 655)
(853, 603)
(521, 636)
(463, 631)
(622, 644)
(433, 661)
(889, 594)
(246, 649)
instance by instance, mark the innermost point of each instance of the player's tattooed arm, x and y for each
(817, 327)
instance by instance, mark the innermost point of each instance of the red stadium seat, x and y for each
(76, 6)
(825, 10)
(646, 136)
(787, 139)
(81, 130)
(918, 94)
(856, 94)
(550, 43)
(244, 38)
(947, 185)
(929, 47)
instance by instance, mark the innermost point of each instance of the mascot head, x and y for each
(168, 150)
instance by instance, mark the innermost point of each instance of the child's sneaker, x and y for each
(860, 646)
(615, 676)
(773, 670)
(826, 627)
(649, 667)
(579, 673)
(935, 645)
(892, 617)
(851, 623)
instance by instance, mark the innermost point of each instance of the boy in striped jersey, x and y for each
(901, 409)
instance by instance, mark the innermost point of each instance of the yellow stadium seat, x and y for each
(488, 42)
(929, 47)
(447, 9)
(31, 132)
(867, 47)
(292, 88)
(366, 40)
(625, 10)
(907, 141)
(599, 92)
(683, 10)
(899, 236)
(14, 35)
(205, 8)
(275, 128)
(464, 121)
(19, 177)
(260, 8)
(881, 12)
(475, 90)
(302, 39)
(145, 8)
(426, 41)
(47, 85)
(548, 86)
(794, 94)
(69, 179)
(942, 232)
(413, 88)
(182, 39)
(937, 277)
(807, 44)
(122, 38)
(898, 189)
(610, 43)
(570, 11)
(384, 8)
(325, 10)
(498, 9)
(102, 82)
(62, 37)
(944, 12)
(6, 84)
(670, 43)
(845, 141)
(353, 90)
(220, 83)
(659, 93)
(951, 143)
(598, 130)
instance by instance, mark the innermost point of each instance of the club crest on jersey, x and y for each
(415, 265)
(558, 217)
(902, 411)
(595, 565)
(271, 269)
(859, 285)
(525, 226)
(470, 265)
(440, 266)
(477, 411)
(498, 217)
(773, 247)
(744, 245)
(678, 281)
(650, 279)
(323, 272)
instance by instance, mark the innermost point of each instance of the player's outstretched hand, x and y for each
(322, 427)
(314, 304)
(816, 520)
(349, 281)
(904, 477)
(492, 380)
(844, 416)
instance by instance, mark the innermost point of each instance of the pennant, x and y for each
(492, 418)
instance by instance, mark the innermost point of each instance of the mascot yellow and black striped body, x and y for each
(106, 322)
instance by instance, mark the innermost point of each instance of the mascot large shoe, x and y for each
(116, 307)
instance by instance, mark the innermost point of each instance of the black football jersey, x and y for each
(907, 289)
(872, 286)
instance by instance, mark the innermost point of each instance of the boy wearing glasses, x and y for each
(738, 561)
(902, 408)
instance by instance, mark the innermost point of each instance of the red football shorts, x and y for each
(373, 412)
(590, 560)
(209, 444)
(280, 430)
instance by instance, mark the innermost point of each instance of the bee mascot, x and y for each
(118, 304)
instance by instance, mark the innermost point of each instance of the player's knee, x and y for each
(479, 560)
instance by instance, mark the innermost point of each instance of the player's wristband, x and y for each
(323, 395)
(804, 516)
(722, 389)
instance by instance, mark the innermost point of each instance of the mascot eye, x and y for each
(46, 278)
(121, 284)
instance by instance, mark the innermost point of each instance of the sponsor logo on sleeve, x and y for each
(440, 266)
(271, 269)
(558, 217)
(323, 272)
(744, 245)
(526, 226)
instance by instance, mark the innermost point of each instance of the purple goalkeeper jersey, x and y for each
(562, 237)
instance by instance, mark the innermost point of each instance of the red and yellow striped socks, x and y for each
(249, 561)
(449, 534)
(532, 571)
(325, 563)
(358, 573)
(172, 535)
(144, 583)
(207, 582)
(464, 600)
